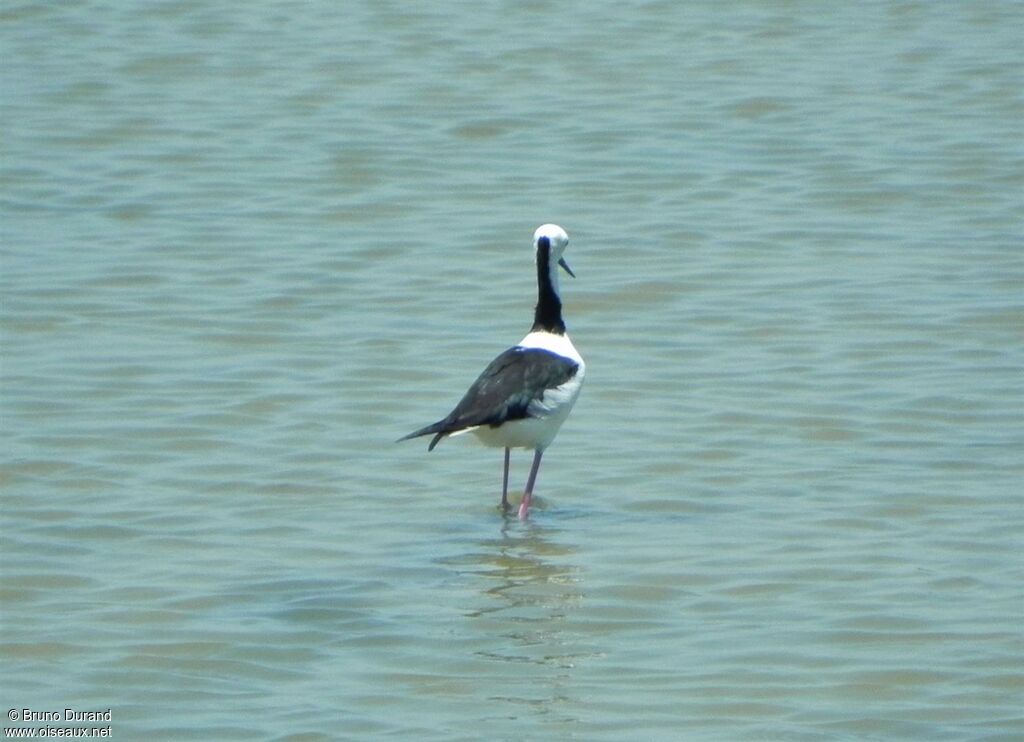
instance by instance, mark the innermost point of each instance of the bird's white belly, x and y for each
(526, 433)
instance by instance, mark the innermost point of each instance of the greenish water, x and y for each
(245, 248)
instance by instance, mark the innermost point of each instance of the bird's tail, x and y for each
(438, 429)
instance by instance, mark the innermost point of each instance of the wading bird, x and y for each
(526, 393)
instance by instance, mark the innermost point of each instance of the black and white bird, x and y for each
(526, 393)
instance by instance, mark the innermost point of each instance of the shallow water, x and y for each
(243, 251)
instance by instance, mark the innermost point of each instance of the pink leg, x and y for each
(504, 483)
(524, 506)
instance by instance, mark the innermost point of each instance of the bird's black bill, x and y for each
(565, 266)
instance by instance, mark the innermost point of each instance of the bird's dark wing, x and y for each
(509, 384)
(504, 390)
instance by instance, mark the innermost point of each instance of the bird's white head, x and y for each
(555, 240)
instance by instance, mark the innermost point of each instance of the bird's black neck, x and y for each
(548, 315)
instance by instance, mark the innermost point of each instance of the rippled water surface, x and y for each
(247, 246)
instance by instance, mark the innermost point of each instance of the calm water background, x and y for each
(245, 247)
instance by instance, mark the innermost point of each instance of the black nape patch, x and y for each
(548, 315)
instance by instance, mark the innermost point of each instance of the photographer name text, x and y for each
(28, 715)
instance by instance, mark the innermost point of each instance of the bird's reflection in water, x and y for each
(529, 589)
(528, 573)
